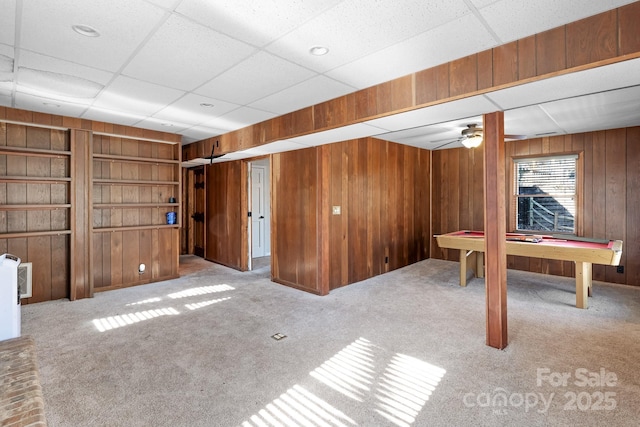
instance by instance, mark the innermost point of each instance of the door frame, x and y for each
(249, 234)
(189, 208)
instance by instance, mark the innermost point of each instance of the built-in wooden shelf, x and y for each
(133, 182)
(35, 179)
(32, 152)
(133, 159)
(136, 227)
(134, 205)
(34, 207)
(33, 234)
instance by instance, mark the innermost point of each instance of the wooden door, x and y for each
(258, 211)
(198, 214)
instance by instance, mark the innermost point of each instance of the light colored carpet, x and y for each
(403, 349)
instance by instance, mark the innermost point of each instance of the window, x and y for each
(546, 194)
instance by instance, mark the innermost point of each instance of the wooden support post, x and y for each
(81, 263)
(495, 230)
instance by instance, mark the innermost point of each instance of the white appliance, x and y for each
(9, 297)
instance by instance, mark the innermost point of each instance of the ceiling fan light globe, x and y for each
(472, 141)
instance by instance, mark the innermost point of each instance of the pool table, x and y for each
(584, 252)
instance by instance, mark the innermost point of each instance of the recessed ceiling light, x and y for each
(85, 30)
(206, 105)
(319, 50)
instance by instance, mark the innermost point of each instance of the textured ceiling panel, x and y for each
(426, 50)
(110, 116)
(514, 19)
(197, 133)
(600, 79)
(460, 109)
(354, 29)
(134, 96)
(123, 25)
(359, 130)
(260, 75)
(605, 110)
(188, 109)
(310, 92)
(257, 23)
(531, 121)
(184, 55)
(51, 106)
(8, 22)
(37, 61)
(239, 118)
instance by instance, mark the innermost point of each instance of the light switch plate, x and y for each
(336, 210)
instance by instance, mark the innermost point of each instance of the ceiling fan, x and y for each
(471, 137)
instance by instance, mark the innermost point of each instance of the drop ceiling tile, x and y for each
(359, 130)
(256, 77)
(426, 50)
(483, 3)
(111, 116)
(257, 23)
(515, 19)
(198, 133)
(161, 125)
(36, 61)
(605, 110)
(8, 22)
(188, 109)
(56, 86)
(166, 4)
(239, 118)
(353, 29)
(5, 97)
(184, 55)
(123, 25)
(310, 92)
(273, 147)
(441, 113)
(137, 97)
(47, 105)
(531, 121)
(600, 79)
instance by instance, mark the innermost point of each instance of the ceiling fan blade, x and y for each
(446, 143)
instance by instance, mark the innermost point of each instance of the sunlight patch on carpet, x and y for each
(197, 305)
(299, 407)
(121, 320)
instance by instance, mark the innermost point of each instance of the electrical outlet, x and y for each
(620, 269)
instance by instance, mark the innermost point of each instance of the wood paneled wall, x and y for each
(598, 40)
(117, 255)
(47, 216)
(609, 204)
(49, 254)
(294, 219)
(226, 213)
(382, 191)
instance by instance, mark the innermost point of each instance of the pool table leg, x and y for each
(472, 259)
(463, 267)
(583, 283)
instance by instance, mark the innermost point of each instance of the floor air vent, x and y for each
(24, 279)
